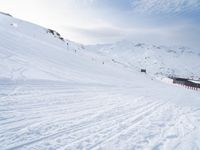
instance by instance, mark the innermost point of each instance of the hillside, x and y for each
(57, 94)
(32, 52)
(158, 60)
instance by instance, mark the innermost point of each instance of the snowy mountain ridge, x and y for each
(158, 60)
(5, 14)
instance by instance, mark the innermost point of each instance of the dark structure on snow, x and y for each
(144, 70)
(55, 34)
(186, 82)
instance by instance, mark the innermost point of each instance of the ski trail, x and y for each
(91, 118)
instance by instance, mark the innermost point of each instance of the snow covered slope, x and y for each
(56, 94)
(32, 52)
(162, 60)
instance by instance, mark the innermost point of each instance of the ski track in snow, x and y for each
(69, 117)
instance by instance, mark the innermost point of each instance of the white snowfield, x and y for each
(59, 95)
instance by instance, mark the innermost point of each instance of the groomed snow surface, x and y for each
(60, 95)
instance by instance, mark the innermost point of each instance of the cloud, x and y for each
(99, 33)
(103, 21)
(165, 6)
(182, 35)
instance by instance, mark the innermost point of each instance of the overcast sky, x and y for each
(170, 22)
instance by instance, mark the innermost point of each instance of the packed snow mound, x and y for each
(158, 60)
